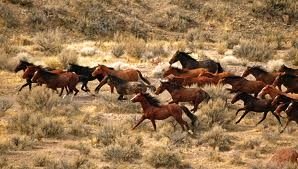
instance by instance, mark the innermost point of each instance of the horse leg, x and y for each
(244, 114)
(61, 91)
(153, 123)
(263, 118)
(24, 85)
(287, 123)
(196, 103)
(140, 121)
(182, 123)
(112, 88)
(241, 109)
(277, 117)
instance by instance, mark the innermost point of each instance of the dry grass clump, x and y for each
(236, 159)
(8, 16)
(7, 62)
(232, 41)
(78, 129)
(78, 162)
(108, 134)
(27, 3)
(50, 41)
(83, 148)
(118, 50)
(187, 4)
(157, 49)
(254, 51)
(21, 142)
(135, 47)
(54, 63)
(221, 48)
(292, 55)
(216, 137)
(161, 157)
(4, 147)
(68, 56)
(41, 161)
(4, 106)
(44, 100)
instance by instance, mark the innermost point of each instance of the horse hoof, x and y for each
(190, 132)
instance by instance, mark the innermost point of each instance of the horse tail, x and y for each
(144, 79)
(219, 68)
(191, 116)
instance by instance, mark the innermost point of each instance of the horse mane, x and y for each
(152, 100)
(286, 75)
(186, 55)
(79, 66)
(259, 68)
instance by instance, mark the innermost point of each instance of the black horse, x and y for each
(289, 81)
(190, 63)
(86, 73)
(254, 104)
(124, 87)
(288, 70)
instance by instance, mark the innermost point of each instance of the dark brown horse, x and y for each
(128, 74)
(240, 84)
(184, 72)
(292, 114)
(23, 64)
(216, 76)
(53, 81)
(289, 81)
(260, 74)
(188, 62)
(154, 111)
(181, 94)
(254, 104)
(273, 92)
(288, 70)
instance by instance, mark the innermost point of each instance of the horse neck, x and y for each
(258, 74)
(185, 61)
(146, 105)
(172, 89)
(108, 71)
(247, 99)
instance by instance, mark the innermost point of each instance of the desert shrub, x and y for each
(5, 105)
(83, 148)
(37, 19)
(4, 147)
(78, 129)
(250, 144)
(118, 50)
(41, 160)
(236, 159)
(136, 47)
(8, 16)
(119, 153)
(53, 63)
(160, 157)
(270, 136)
(51, 128)
(187, 4)
(7, 62)
(50, 41)
(67, 57)
(293, 55)
(216, 138)
(232, 41)
(221, 48)
(254, 51)
(28, 3)
(21, 142)
(78, 162)
(107, 134)
(157, 49)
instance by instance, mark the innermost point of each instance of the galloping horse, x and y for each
(254, 104)
(154, 111)
(292, 114)
(188, 81)
(181, 94)
(273, 92)
(128, 74)
(190, 63)
(87, 73)
(216, 76)
(260, 74)
(64, 80)
(289, 81)
(184, 72)
(23, 66)
(240, 84)
(288, 70)
(124, 87)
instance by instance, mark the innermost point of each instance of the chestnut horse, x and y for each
(188, 81)
(216, 76)
(288, 70)
(289, 81)
(53, 81)
(240, 84)
(181, 94)
(128, 74)
(188, 62)
(254, 104)
(273, 92)
(260, 74)
(184, 72)
(154, 111)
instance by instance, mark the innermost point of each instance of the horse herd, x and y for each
(178, 83)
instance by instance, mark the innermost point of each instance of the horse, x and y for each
(181, 94)
(154, 111)
(288, 70)
(188, 81)
(254, 104)
(53, 81)
(216, 76)
(292, 114)
(260, 74)
(273, 92)
(124, 87)
(281, 99)
(128, 74)
(188, 62)
(184, 72)
(240, 84)
(289, 81)
(86, 72)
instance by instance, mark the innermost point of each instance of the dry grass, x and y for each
(161, 157)
(293, 55)
(136, 47)
(68, 56)
(4, 106)
(50, 41)
(118, 50)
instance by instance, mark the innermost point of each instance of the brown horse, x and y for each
(216, 76)
(154, 111)
(184, 72)
(240, 84)
(53, 81)
(127, 74)
(254, 104)
(273, 92)
(260, 74)
(289, 81)
(188, 81)
(288, 70)
(292, 114)
(181, 94)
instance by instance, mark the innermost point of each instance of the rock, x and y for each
(283, 157)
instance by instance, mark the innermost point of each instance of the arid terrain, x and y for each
(39, 129)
